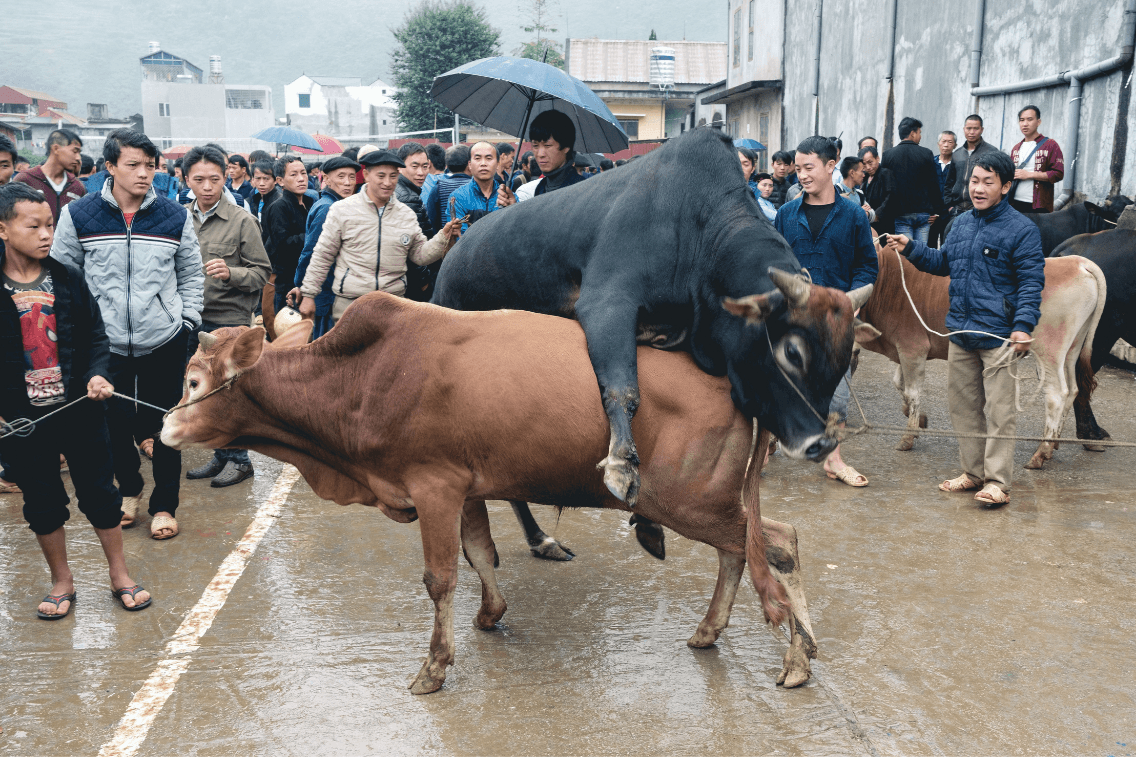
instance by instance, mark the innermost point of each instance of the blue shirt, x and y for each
(842, 255)
(437, 201)
(469, 200)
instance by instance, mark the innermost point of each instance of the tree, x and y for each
(652, 35)
(543, 48)
(436, 36)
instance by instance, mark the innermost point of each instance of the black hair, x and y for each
(621, 162)
(860, 144)
(410, 148)
(998, 162)
(762, 176)
(848, 165)
(782, 156)
(281, 166)
(908, 125)
(206, 154)
(869, 150)
(177, 163)
(258, 155)
(120, 138)
(315, 166)
(504, 148)
(100, 164)
(6, 145)
(974, 117)
(823, 147)
(63, 138)
(437, 155)
(13, 193)
(87, 164)
(751, 156)
(22, 159)
(457, 158)
(606, 165)
(264, 166)
(1034, 108)
(240, 161)
(555, 125)
(352, 153)
(217, 147)
(839, 145)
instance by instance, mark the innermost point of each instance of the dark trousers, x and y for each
(158, 378)
(238, 456)
(938, 231)
(80, 434)
(1026, 207)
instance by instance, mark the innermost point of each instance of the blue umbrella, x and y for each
(504, 93)
(285, 136)
(752, 144)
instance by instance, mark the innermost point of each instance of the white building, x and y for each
(181, 106)
(340, 106)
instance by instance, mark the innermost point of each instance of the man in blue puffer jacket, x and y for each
(994, 258)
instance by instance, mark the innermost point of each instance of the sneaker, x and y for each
(232, 474)
(209, 470)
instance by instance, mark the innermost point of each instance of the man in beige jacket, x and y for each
(368, 239)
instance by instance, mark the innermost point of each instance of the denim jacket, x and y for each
(842, 256)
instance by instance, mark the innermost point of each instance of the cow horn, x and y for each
(207, 340)
(860, 296)
(794, 288)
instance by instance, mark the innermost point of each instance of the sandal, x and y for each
(992, 494)
(147, 447)
(848, 475)
(160, 523)
(130, 507)
(963, 483)
(57, 599)
(118, 594)
(7, 487)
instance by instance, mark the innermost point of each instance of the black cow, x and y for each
(1115, 252)
(653, 249)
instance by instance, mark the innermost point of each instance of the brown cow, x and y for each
(1071, 307)
(426, 413)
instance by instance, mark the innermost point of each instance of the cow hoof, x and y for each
(488, 616)
(1037, 462)
(922, 420)
(651, 536)
(906, 444)
(1095, 448)
(795, 669)
(550, 549)
(428, 681)
(704, 637)
(621, 479)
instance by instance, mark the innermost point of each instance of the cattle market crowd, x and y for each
(116, 270)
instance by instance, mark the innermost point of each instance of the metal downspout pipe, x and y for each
(816, 69)
(1076, 80)
(976, 45)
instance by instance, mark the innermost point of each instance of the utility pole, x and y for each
(456, 125)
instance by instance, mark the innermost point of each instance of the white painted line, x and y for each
(150, 699)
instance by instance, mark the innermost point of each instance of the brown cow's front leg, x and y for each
(730, 569)
(477, 543)
(441, 537)
(784, 561)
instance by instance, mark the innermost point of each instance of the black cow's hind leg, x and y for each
(541, 544)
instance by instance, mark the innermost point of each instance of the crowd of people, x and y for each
(115, 269)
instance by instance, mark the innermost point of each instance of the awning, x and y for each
(742, 90)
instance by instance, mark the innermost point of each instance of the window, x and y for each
(384, 122)
(163, 109)
(245, 99)
(737, 36)
(305, 101)
(384, 91)
(630, 127)
(763, 138)
(734, 128)
(752, 9)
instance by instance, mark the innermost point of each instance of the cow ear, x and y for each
(755, 308)
(246, 352)
(296, 336)
(1094, 209)
(865, 332)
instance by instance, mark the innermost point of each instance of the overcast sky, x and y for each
(88, 51)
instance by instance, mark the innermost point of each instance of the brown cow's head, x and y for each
(789, 388)
(209, 421)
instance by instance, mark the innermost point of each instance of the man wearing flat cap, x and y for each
(367, 240)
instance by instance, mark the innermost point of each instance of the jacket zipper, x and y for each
(129, 271)
(343, 280)
(379, 249)
(165, 310)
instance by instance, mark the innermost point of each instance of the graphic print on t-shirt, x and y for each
(35, 304)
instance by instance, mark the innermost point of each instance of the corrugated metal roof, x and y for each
(35, 95)
(626, 60)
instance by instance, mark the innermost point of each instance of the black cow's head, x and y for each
(793, 349)
(1104, 216)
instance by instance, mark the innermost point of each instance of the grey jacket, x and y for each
(964, 166)
(147, 277)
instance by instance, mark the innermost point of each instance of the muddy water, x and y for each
(942, 628)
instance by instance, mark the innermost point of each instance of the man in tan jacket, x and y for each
(368, 239)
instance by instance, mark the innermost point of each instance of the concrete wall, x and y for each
(768, 38)
(1023, 39)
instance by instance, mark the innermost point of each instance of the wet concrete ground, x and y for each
(943, 628)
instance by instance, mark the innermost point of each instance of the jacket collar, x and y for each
(995, 212)
(108, 196)
(409, 185)
(223, 209)
(329, 192)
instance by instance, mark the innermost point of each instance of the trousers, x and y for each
(982, 404)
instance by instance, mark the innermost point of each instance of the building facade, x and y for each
(342, 107)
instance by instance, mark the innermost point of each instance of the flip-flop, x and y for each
(848, 475)
(57, 599)
(118, 594)
(163, 521)
(963, 483)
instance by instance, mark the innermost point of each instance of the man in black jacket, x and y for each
(879, 191)
(54, 352)
(964, 157)
(264, 181)
(419, 278)
(285, 222)
(918, 203)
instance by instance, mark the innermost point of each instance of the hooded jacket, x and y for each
(997, 271)
(146, 277)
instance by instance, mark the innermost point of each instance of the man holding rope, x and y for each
(997, 270)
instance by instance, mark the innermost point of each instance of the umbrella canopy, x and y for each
(505, 93)
(752, 144)
(285, 136)
(328, 145)
(177, 151)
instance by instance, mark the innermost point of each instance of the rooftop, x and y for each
(627, 60)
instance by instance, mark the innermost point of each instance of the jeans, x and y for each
(238, 456)
(839, 404)
(914, 226)
(158, 378)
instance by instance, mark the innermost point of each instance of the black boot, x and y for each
(209, 470)
(232, 474)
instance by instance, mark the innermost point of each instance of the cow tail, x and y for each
(774, 600)
(1086, 380)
